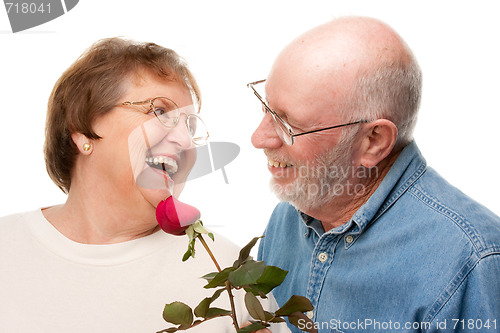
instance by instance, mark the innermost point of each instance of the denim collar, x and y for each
(407, 168)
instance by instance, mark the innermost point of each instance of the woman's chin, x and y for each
(154, 196)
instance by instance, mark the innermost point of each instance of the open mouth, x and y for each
(163, 163)
(278, 164)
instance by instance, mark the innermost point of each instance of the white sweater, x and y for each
(49, 283)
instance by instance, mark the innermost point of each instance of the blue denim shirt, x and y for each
(418, 256)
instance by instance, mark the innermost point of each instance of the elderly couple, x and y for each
(376, 239)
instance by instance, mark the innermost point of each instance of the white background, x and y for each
(230, 43)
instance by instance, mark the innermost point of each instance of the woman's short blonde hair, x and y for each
(92, 86)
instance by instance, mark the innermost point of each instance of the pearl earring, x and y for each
(86, 146)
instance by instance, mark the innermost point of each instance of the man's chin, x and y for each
(304, 197)
(289, 193)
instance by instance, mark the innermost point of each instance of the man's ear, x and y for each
(378, 142)
(84, 144)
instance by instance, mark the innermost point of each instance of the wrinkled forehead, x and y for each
(300, 91)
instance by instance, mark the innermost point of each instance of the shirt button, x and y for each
(349, 239)
(323, 257)
(310, 314)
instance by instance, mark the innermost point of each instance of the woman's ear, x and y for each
(378, 142)
(84, 144)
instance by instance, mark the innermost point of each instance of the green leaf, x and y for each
(278, 320)
(254, 326)
(188, 254)
(184, 327)
(220, 279)
(254, 307)
(199, 228)
(248, 273)
(302, 322)
(190, 233)
(245, 251)
(270, 316)
(190, 250)
(295, 304)
(217, 293)
(271, 278)
(255, 290)
(169, 330)
(202, 308)
(211, 235)
(217, 312)
(210, 276)
(178, 313)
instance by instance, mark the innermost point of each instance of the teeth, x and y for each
(171, 164)
(277, 164)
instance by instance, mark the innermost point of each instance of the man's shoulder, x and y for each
(283, 209)
(282, 230)
(282, 214)
(445, 203)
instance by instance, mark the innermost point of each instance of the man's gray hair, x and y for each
(389, 90)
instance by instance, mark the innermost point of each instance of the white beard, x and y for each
(319, 183)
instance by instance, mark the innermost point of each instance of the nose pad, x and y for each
(265, 135)
(179, 134)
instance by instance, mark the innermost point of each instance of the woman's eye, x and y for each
(158, 111)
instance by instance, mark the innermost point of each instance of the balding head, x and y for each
(356, 67)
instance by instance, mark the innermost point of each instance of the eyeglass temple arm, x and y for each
(254, 83)
(323, 129)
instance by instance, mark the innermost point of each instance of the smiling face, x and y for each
(138, 158)
(315, 168)
(307, 89)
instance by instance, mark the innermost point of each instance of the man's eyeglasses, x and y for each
(284, 130)
(168, 113)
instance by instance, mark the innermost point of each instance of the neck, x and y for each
(90, 218)
(341, 208)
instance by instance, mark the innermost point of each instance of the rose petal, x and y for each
(174, 216)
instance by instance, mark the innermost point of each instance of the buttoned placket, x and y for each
(322, 258)
(326, 245)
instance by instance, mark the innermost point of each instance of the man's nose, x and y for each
(265, 135)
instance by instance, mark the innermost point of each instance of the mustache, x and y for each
(273, 155)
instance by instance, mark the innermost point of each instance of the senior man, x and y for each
(373, 237)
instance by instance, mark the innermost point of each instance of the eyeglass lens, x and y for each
(279, 126)
(169, 114)
(281, 130)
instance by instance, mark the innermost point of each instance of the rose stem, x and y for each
(228, 287)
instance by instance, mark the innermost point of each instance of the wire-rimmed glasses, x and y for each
(284, 130)
(168, 113)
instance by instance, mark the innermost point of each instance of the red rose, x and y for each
(174, 216)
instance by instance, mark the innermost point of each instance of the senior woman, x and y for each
(121, 125)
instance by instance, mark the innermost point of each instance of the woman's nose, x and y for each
(180, 134)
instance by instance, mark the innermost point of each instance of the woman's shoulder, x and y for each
(18, 219)
(15, 229)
